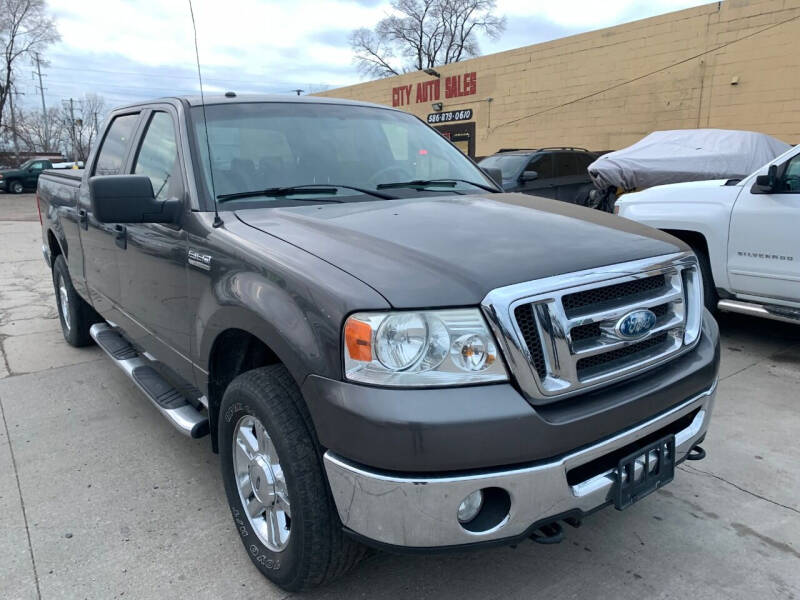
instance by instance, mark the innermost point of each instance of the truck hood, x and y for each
(688, 191)
(453, 250)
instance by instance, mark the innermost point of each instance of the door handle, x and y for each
(121, 236)
(83, 218)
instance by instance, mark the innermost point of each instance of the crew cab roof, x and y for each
(196, 100)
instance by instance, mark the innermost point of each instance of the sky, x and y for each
(135, 50)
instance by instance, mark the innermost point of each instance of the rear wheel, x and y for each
(75, 314)
(275, 483)
(16, 187)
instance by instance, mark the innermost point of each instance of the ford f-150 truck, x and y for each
(384, 348)
(744, 233)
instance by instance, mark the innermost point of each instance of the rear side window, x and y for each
(158, 157)
(584, 160)
(566, 164)
(115, 145)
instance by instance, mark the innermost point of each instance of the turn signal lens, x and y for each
(358, 339)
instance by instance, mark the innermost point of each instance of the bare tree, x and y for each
(37, 134)
(25, 28)
(422, 34)
(80, 121)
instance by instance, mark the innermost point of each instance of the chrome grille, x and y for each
(559, 334)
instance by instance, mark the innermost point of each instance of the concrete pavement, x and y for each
(101, 498)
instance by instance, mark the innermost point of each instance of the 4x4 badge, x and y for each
(201, 261)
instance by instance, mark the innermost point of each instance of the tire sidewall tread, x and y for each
(317, 551)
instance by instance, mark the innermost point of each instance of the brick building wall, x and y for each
(608, 88)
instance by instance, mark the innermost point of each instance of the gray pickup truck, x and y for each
(384, 348)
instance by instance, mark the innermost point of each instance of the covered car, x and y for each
(685, 155)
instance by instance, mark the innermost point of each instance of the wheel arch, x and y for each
(237, 340)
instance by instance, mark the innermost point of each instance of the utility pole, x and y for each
(72, 125)
(38, 62)
(13, 123)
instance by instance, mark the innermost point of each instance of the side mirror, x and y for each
(129, 199)
(494, 174)
(528, 176)
(766, 184)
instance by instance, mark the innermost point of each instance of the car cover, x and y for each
(685, 155)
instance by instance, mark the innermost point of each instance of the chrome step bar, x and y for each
(185, 418)
(776, 313)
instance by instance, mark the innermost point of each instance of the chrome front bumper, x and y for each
(420, 512)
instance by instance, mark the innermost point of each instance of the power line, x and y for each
(149, 74)
(635, 79)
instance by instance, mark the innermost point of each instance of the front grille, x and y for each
(586, 366)
(565, 333)
(581, 302)
(530, 334)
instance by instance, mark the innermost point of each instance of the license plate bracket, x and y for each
(644, 471)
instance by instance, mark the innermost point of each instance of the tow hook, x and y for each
(696, 453)
(552, 533)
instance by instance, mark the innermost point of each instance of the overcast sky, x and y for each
(134, 50)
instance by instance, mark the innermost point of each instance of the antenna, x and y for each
(217, 221)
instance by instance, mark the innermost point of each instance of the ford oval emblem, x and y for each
(635, 324)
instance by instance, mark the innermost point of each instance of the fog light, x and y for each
(470, 507)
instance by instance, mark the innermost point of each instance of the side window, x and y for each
(115, 144)
(37, 166)
(566, 164)
(584, 160)
(543, 165)
(791, 176)
(158, 157)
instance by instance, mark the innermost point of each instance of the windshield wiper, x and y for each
(328, 189)
(422, 183)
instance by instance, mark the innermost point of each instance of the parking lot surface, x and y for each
(101, 498)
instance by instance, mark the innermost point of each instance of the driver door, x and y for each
(764, 243)
(544, 183)
(31, 177)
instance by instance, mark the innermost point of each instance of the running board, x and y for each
(776, 313)
(169, 401)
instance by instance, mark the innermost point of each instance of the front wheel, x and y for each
(275, 484)
(710, 296)
(16, 187)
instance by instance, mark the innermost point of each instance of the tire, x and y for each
(316, 551)
(74, 313)
(16, 187)
(710, 296)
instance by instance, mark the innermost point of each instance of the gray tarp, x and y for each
(685, 155)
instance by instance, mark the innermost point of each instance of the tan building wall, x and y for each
(608, 88)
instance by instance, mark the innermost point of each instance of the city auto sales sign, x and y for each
(455, 86)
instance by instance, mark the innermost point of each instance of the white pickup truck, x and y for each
(745, 233)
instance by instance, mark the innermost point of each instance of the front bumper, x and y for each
(420, 511)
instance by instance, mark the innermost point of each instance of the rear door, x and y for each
(764, 243)
(571, 175)
(544, 184)
(152, 262)
(99, 240)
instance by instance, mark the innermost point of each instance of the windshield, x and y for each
(509, 164)
(272, 145)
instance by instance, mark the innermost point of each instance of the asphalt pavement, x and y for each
(101, 498)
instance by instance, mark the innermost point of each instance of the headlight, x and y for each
(421, 348)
